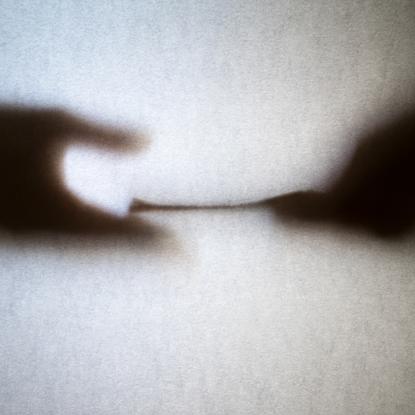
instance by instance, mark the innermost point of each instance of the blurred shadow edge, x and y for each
(33, 197)
(376, 190)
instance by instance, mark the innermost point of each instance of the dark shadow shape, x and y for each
(33, 196)
(375, 192)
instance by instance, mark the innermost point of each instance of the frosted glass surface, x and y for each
(239, 99)
(233, 311)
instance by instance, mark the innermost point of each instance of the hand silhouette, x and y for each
(376, 191)
(33, 195)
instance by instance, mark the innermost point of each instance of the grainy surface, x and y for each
(234, 312)
(241, 315)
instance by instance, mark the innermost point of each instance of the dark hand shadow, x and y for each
(33, 196)
(375, 192)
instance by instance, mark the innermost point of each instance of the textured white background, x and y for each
(246, 315)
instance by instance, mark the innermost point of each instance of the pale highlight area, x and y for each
(251, 316)
(242, 99)
(100, 178)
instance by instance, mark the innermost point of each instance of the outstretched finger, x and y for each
(66, 126)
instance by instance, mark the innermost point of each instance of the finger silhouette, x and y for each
(33, 195)
(376, 191)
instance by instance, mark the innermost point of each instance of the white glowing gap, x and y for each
(99, 178)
